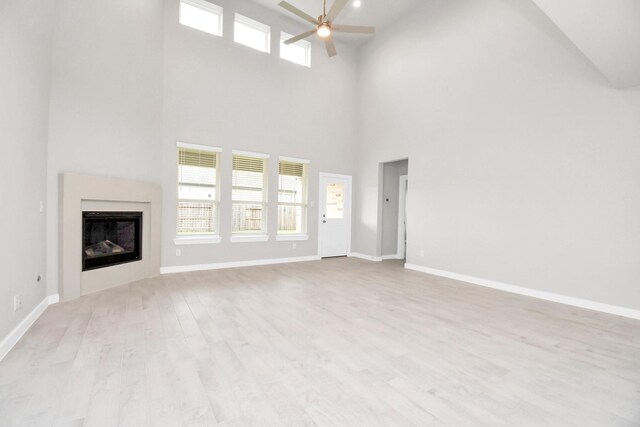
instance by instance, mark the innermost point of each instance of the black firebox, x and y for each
(110, 238)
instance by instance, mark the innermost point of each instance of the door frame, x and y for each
(402, 214)
(349, 205)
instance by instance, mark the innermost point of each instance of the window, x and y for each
(201, 15)
(252, 33)
(298, 52)
(197, 189)
(292, 196)
(335, 201)
(249, 193)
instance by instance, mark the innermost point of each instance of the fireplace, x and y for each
(110, 238)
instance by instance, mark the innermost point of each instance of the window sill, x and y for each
(241, 238)
(292, 237)
(200, 239)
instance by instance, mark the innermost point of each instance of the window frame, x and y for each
(301, 43)
(256, 25)
(207, 7)
(303, 235)
(198, 238)
(251, 235)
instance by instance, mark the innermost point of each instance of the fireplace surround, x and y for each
(87, 197)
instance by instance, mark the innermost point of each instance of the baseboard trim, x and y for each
(363, 256)
(14, 336)
(549, 296)
(396, 256)
(237, 264)
(53, 299)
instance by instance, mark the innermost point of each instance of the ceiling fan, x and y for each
(324, 25)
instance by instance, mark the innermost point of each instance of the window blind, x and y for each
(291, 169)
(203, 159)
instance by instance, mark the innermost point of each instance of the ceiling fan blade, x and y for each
(291, 8)
(331, 46)
(353, 29)
(337, 7)
(301, 36)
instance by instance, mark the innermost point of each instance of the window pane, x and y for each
(197, 218)
(252, 33)
(197, 210)
(196, 183)
(335, 201)
(299, 52)
(247, 186)
(290, 189)
(201, 18)
(290, 219)
(247, 218)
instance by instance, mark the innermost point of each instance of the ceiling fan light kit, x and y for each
(324, 27)
(324, 30)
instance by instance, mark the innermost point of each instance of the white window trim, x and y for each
(291, 237)
(209, 7)
(302, 43)
(197, 239)
(256, 25)
(250, 154)
(293, 160)
(191, 146)
(247, 238)
(203, 238)
(243, 236)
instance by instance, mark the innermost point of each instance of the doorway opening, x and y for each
(392, 223)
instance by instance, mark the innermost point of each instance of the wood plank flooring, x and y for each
(338, 342)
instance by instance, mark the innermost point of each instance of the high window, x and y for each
(298, 52)
(197, 190)
(292, 197)
(201, 15)
(252, 33)
(249, 193)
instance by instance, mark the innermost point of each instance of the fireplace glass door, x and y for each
(110, 238)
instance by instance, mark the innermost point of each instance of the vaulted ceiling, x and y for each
(607, 32)
(377, 13)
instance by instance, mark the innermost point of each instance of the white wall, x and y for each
(524, 159)
(220, 93)
(106, 98)
(129, 82)
(25, 72)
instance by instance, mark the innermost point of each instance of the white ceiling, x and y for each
(606, 31)
(376, 13)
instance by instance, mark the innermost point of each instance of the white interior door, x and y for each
(335, 215)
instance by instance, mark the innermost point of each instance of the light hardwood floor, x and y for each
(339, 342)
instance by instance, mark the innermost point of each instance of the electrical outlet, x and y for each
(178, 252)
(17, 302)
(295, 245)
(41, 206)
(422, 252)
